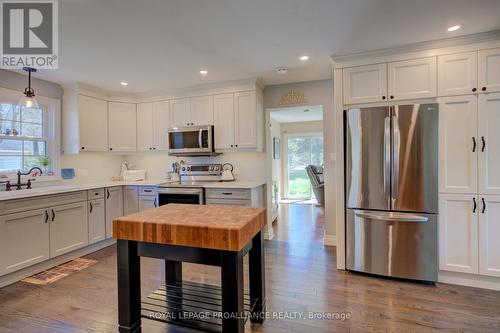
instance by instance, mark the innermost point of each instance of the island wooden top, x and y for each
(203, 226)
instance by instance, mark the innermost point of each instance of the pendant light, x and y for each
(28, 100)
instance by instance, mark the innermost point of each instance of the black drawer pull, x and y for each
(53, 215)
(108, 194)
(227, 193)
(91, 207)
(46, 216)
(148, 191)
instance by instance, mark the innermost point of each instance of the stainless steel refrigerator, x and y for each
(392, 190)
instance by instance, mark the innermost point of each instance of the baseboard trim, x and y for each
(42, 266)
(329, 240)
(469, 280)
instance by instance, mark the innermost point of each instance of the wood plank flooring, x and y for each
(301, 277)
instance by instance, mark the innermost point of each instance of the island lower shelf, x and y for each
(189, 304)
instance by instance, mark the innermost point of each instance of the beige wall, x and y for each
(316, 93)
(302, 127)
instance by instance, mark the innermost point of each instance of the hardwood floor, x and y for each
(301, 277)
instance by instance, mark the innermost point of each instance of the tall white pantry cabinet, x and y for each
(466, 84)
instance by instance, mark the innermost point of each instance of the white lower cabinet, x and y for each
(97, 220)
(489, 232)
(147, 202)
(114, 207)
(458, 233)
(68, 228)
(24, 239)
(130, 200)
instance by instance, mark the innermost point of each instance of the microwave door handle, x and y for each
(199, 138)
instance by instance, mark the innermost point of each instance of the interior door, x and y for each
(368, 158)
(414, 179)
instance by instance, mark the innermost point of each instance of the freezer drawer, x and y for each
(402, 245)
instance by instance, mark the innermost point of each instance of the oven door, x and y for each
(193, 139)
(180, 195)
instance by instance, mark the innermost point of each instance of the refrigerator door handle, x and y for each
(387, 154)
(391, 216)
(395, 157)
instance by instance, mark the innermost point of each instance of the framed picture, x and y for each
(276, 148)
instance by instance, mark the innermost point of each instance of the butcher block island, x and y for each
(212, 235)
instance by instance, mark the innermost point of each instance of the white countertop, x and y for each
(63, 187)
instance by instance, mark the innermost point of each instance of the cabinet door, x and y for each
(130, 200)
(180, 112)
(161, 116)
(489, 70)
(489, 229)
(68, 228)
(245, 120)
(365, 84)
(412, 79)
(202, 110)
(145, 127)
(97, 221)
(458, 144)
(93, 120)
(489, 143)
(122, 127)
(457, 74)
(458, 233)
(224, 121)
(146, 202)
(24, 240)
(114, 207)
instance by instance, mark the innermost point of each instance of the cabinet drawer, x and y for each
(97, 193)
(21, 205)
(147, 190)
(226, 193)
(231, 202)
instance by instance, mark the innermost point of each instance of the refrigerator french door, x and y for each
(392, 190)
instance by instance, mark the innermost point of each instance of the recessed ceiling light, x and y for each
(454, 28)
(124, 83)
(203, 72)
(304, 58)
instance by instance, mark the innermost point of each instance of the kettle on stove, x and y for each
(227, 172)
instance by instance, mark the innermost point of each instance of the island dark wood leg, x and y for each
(232, 292)
(129, 287)
(173, 271)
(257, 277)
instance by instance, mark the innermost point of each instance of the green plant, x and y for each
(44, 161)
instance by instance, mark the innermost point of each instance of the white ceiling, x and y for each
(162, 44)
(293, 115)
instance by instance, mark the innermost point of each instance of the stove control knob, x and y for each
(183, 168)
(188, 168)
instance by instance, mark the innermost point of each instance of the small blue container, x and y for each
(68, 173)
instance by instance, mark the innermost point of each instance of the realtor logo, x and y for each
(29, 35)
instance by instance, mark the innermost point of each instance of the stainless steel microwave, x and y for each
(191, 141)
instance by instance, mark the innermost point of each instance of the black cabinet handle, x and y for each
(231, 145)
(483, 88)
(46, 216)
(484, 143)
(107, 194)
(154, 203)
(227, 193)
(484, 205)
(83, 148)
(383, 97)
(187, 124)
(148, 191)
(53, 215)
(110, 148)
(474, 89)
(91, 207)
(391, 97)
(474, 144)
(474, 207)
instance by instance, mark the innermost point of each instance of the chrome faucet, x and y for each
(28, 184)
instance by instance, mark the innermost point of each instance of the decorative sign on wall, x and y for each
(292, 98)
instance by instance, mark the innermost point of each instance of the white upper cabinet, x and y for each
(365, 84)
(122, 120)
(180, 112)
(161, 124)
(245, 120)
(489, 229)
(457, 74)
(489, 70)
(412, 79)
(458, 144)
(224, 121)
(489, 143)
(145, 135)
(93, 123)
(202, 110)
(458, 233)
